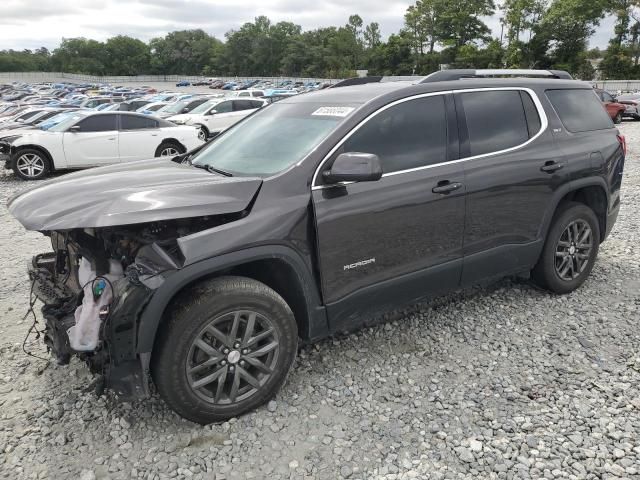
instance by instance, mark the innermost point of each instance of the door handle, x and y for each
(112, 138)
(445, 187)
(551, 166)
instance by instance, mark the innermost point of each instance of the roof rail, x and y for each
(458, 74)
(347, 82)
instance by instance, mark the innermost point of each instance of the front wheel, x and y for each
(225, 349)
(618, 118)
(31, 164)
(570, 249)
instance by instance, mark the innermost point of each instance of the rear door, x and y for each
(95, 143)
(512, 169)
(139, 137)
(399, 238)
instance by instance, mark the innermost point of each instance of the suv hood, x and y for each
(131, 193)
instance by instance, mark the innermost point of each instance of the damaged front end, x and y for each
(95, 285)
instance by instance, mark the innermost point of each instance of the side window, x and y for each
(133, 122)
(579, 109)
(223, 107)
(256, 103)
(244, 94)
(408, 135)
(98, 123)
(239, 105)
(495, 120)
(258, 93)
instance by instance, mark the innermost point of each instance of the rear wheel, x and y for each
(31, 164)
(570, 249)
(618, 118)
(203, 133)
(226, 348)
(169, 149)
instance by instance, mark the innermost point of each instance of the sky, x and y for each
(36, 23)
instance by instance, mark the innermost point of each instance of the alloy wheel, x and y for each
(573, 250)
(169, 152)
(202, 135)
(30, 165)
(232, 357)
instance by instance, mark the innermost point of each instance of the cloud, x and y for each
(35, 23)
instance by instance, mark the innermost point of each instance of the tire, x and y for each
(206, 394)
(31, 164)
(636, 117)
(618, 118)
(169, 149)
(564, 264)
(203, 134)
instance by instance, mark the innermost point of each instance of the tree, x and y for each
(126, 56)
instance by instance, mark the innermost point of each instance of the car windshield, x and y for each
(273, 139)
(175, 107)
(61, 122)
(202, 108)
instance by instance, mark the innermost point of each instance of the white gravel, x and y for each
(504, 382)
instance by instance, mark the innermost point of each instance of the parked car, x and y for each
(216, 84)
(246, 93)
(614, 109)
(151, 108)
(89, 139)
(91, 102)
(632, 105)
(313, 216)
(216, 115)
(183, 106)
(183, 83)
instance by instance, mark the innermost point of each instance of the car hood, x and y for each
(183, 117)
(131, 193)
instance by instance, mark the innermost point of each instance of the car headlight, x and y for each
(177, 121)
(10, 139)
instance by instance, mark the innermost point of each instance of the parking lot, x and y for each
(501, 382)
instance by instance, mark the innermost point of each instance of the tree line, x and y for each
(534, 34)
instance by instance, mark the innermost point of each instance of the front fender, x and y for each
(152, 315)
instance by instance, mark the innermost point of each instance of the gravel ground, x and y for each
(501, 382)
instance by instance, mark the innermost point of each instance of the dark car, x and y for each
(312, 216)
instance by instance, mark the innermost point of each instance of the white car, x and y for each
(214, 116)
(91, 139)
(246, 93)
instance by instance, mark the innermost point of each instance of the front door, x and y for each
(397, 239)
(94, 143)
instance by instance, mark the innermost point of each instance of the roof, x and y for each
(360, 94)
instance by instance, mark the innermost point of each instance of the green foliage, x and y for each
(536, 34)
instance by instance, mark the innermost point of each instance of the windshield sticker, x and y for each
(334, 111)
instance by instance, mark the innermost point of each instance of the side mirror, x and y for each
(185, 110)
(74, 129)
(212, 112)
(354, 167)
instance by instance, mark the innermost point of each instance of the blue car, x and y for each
(183, 83)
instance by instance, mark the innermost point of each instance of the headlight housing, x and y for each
(10, 139)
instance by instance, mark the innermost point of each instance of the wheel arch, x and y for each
(280, 268)
(172, 140)
(30, 146)
(592, 192)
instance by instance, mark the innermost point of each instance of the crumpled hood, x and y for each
(130, 193)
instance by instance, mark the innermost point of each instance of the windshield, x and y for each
(202, 108)
(60, 122)
(273, 139)
(175, 107)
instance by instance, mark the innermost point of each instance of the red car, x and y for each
(614, 109)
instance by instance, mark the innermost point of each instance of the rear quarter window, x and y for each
(580, 110)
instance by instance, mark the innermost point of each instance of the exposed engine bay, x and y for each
(95, 284)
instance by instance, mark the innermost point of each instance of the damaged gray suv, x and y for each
(203, 273)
